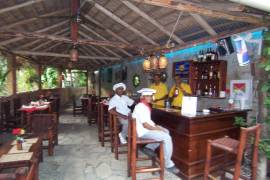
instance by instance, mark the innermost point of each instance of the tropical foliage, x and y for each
(27, 78)
(74, 78)
(49, 78)
(3, 75)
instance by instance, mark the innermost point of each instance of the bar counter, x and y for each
(190, 134)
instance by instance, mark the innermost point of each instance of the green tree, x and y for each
(3, 75)
(27, 78)
(49, 78)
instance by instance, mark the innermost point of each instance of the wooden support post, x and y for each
(14, 77)
(87, 79)
(39, 77)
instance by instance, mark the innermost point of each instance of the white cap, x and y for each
(118, 85)
(147, 91)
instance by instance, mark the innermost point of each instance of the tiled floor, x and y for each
(79, 155)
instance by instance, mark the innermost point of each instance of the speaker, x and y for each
(225, 46)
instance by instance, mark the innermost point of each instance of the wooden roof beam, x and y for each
(189, 7)
(26, 21)
(38, 35)
(83, 51)
(116, 36)
(105, 48)
(152, 20)
(50, 54)
(6, 42)
(204, 24)
(48, 42)
(38, 40)
(6, 9)
(123, 23)
(103, 38)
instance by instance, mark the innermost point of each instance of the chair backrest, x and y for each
(74, 100)
(16, 103)
(253, 131)
(5, 109)
(40, 123)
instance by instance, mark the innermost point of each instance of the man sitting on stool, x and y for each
(119, 104)
(147, 129)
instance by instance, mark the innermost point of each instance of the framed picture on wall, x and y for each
(241, 90)
(181, 68)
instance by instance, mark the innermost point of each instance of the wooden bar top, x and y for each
(190, 134)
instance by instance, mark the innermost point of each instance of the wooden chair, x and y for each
(115, 130)
(16, 106)
(8, 120)
(45, 126)
(92, 112)
(23, 173)
(237, 148)
(133, 143)
(54, 109)
(77, 109)
(104, 128)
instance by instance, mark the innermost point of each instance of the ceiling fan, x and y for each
(76, 19)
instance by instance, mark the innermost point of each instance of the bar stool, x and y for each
(115, 130)
(105, 129)
(133, 143)
(235, 147)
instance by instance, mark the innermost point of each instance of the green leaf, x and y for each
(266, 87)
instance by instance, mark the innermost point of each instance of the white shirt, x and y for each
(142, 115)
(121, 104)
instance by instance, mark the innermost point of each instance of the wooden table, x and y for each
(26, 112)
(36, 148)
(190, 134)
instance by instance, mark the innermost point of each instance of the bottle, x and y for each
(206, 90)
(167, 104)
(176, 92)
(215, 91)
(206, 74)
(210, 90)
(198, 90)
(211, 72)
(200, 56)
(208, 55)
(204, 57)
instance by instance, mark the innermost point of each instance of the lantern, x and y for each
(74, 55)
(146, 64)
(162, 62)
(153, 62)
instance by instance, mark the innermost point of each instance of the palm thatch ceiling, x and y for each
(110, 31)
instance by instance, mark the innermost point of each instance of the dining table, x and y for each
(33, 107)
(11, 157)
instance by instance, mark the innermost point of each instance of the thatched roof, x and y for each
(113, 30)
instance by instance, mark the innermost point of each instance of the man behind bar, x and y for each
(161, 90)
(147, 129)
(120, 104)
(179, 90)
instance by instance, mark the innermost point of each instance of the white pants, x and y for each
(167, 141)
(124, 123)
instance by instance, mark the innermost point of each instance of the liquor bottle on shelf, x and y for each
(210, 90)
(206, 90)
(214, 56)
(200, 56)
(198, 90)
(215, 91)
(211, 72)
(206, 73)
(204, 57)
(196, 75)
(215, 74)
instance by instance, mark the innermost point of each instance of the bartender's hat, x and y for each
(147, 91)
(118, 85)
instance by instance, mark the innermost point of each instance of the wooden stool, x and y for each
(105, 129)
(133, 143)
(232, 146)
(115, 130)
